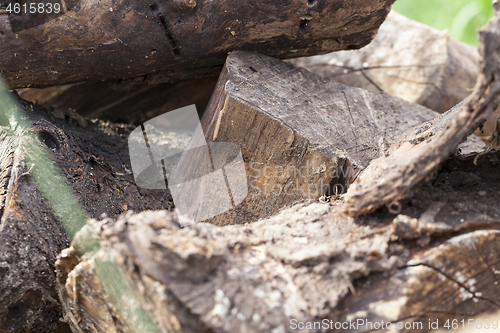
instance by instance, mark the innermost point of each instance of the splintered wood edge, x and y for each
(392, 178)
(455, 280)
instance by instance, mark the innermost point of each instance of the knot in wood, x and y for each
(184, 5)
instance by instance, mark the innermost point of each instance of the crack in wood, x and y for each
(462, 285)
(170, 38)
(371, 81)
(353, 123)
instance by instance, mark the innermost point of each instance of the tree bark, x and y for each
(170, 41)
(307, 264)
(94, 161)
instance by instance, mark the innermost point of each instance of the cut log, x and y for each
(94, 161)
(125, 101)
(308, 264)
(173, 40)
(408, 60)
(302, 135)
(420, 151)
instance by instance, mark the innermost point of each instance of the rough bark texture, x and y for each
(418, 153)
(173, 40)
(30, 240)
(95, 162)
(127, 101)
(301, 135)
(435, 259)
(408, 60)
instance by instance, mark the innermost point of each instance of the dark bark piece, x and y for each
(408, 60)
(419, 152)
(125, 101)
(177, 40)
(308, 263)
(301, 135)
(94, 161)
(27, 283)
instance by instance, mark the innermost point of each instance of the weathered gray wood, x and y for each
(174, 40)
(301, 135)
(408, 60)
(308, 263)
(419, 152)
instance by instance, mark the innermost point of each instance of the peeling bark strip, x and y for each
(301, 135)
(94, 161)
(408, 60)
(309, 263)
(419, 152)
(174, 40)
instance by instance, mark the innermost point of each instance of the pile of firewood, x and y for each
(371, 204)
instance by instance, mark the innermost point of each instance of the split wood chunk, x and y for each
(94, 161)
(301, 135)
(173, 40)
(307, 264)
(419, 152)
(407, 59)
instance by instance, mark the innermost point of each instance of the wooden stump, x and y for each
(174, 40)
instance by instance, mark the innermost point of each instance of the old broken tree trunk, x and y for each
(98, 168)
(246, 90)
(173, 40)
(94, 161)
(433, 259)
